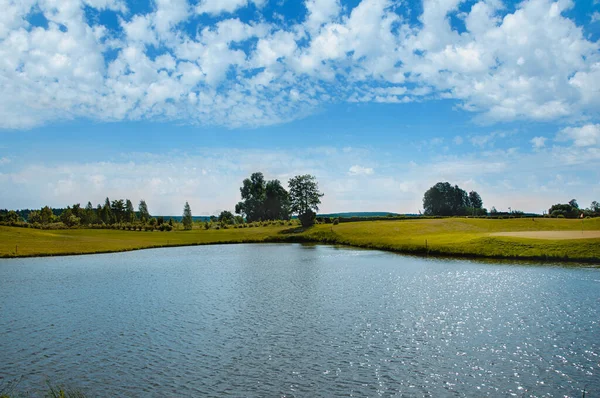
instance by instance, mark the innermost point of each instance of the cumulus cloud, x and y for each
(584, 136)
(217, 7)
(531, 63)
(488, 139)
(359, 170)
(538, 142)
(210, 179)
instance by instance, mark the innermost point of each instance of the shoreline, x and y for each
(416, 252)
(445, 238)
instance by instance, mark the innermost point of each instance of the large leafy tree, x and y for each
(187, 217)
(443, 199)
(46, 215)
(226, 217)
(277, 201)
(253, 192)
(567, 210)
(305, 198)
(475, 200)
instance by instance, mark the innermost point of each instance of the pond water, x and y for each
(296, 320)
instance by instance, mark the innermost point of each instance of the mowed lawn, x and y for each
(470, 237)
(30, 242)
(451, 236)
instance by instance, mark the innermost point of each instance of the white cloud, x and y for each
(584, 136)
(359, 170)
(217, 7)
(488, 139)
(595, 17)
(320, 12)
(458, 140)
(4, 160)
(169, 13)
(533, 63)
(538, 142)
(210, 179)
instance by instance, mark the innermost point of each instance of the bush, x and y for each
(560, 216)
(336, 221)
(307, 219)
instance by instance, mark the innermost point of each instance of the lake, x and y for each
(297, 320)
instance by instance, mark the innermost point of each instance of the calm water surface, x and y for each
(293, 320)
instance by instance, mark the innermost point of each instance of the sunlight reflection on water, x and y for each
(265, 320)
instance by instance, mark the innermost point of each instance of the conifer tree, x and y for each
(187, 217)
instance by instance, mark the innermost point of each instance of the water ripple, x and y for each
(297, 321)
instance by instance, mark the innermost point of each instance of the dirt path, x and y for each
(551, 235)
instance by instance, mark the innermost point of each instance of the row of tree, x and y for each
(443, 199)
(112, 212)
(572, 210)
(268, 200)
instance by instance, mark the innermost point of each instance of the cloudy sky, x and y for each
(175, 100)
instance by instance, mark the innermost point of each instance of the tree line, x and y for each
(572, 210)
(118, 211)
(445, 199)
(263, 200)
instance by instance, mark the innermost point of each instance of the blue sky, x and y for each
(175, 100)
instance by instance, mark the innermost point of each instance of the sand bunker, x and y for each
(553, 235)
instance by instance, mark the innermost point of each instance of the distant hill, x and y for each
(332, 215)
(360, 214)
(194, 218)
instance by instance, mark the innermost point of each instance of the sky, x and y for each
(180, 100)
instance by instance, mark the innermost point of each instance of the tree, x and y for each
(573, 204)
(66, 214)
(143, 210)
(34, 216)
(187, 217)
(106, 214)
(305, 198)
(475, 200)
(118, 210)
(277, 201)
(253, 193)
(226, 217)
(88, 216)
(12, 216)
(129, 211)
(77, 211)
(68, 218)
(595, 207)
(444, 199)
(46, 215)
(566, 210)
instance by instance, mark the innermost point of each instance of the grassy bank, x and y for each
(450, 237)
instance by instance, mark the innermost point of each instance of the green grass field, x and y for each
(451, 237)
